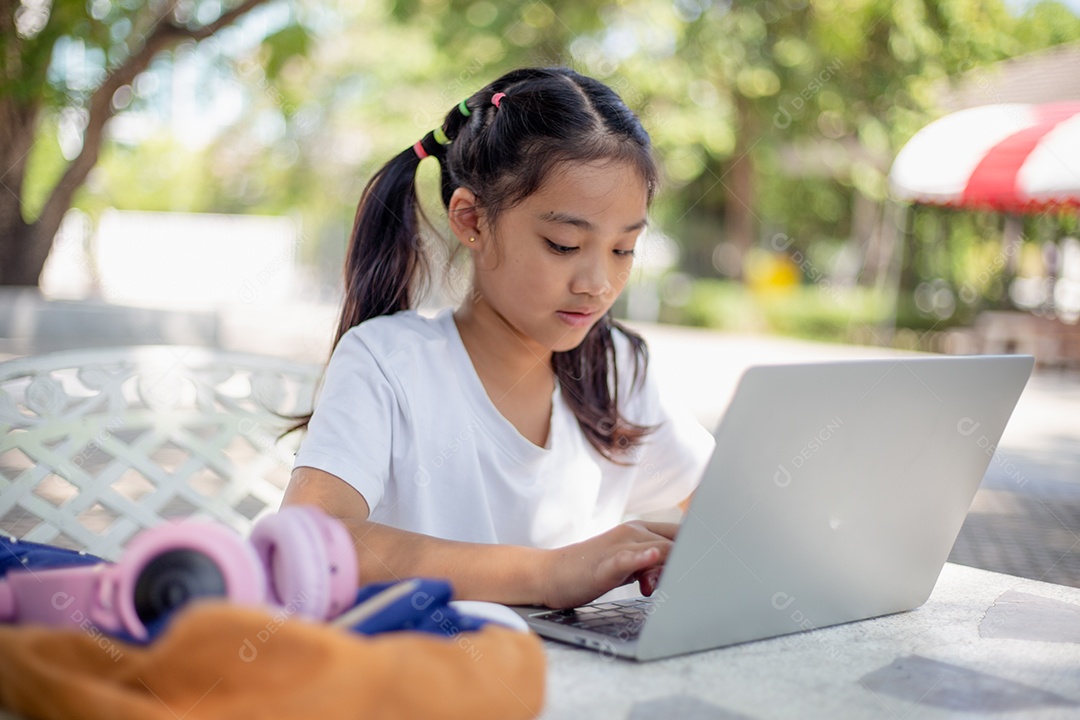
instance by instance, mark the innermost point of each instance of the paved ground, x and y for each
(1024, 521)
(1026, 518)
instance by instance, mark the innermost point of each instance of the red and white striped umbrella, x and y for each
(1008, 158)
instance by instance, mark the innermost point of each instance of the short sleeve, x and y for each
(671, 459)
(350, 431)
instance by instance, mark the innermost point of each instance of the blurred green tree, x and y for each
(792, 110)
(779, 116)
(121, 38)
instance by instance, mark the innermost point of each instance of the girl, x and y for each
(501, 445)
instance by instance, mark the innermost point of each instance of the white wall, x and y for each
(174, 260)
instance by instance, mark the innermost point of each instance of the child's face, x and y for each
(562, 256)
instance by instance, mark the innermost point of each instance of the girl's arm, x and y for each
(508, 574)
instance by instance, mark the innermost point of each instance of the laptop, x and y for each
(835, 493)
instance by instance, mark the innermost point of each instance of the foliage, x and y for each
(808, 311)
(818, 96)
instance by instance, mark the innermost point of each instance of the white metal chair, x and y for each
(99, 444)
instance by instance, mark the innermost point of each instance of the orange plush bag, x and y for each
(217, 661)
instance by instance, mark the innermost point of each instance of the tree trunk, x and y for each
(16, 140)
(738, 181)
(24, 246)
(31, 249)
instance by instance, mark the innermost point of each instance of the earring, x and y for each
(472, 239)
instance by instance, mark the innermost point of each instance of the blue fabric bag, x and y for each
(419, 605)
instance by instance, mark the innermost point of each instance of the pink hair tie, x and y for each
(497, 98)
(418, 148)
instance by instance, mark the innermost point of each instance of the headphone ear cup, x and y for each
(167, 566)
(344, 570)
(309, 559)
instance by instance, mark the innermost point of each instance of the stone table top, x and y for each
(984, 643)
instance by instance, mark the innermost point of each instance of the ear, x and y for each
(464, 216)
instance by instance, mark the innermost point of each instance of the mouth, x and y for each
(577, 318)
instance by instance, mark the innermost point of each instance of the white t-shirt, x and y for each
(404, 418)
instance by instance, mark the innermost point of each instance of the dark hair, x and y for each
(503, 154)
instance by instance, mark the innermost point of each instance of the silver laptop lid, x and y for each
(835, 493)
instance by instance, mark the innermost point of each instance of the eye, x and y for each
(560, 249)
(625, 253)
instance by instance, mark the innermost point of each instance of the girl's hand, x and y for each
(579, 573)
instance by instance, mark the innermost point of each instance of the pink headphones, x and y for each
(300, 560)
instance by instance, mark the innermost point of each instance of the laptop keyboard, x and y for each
(621, 618)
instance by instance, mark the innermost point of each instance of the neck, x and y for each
(498, 350)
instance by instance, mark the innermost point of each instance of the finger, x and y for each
(622, 567)
(664, 529)
(663, 545)
(648, 580)
(646, 585)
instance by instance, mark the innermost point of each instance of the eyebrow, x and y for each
(578, 222)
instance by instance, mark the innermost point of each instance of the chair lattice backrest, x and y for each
(99, 444)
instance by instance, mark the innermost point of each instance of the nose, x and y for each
(591, 278)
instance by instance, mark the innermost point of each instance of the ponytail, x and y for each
(385, 257)
(386, 260)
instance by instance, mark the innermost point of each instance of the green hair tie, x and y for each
(464, 109)
(440, 136)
